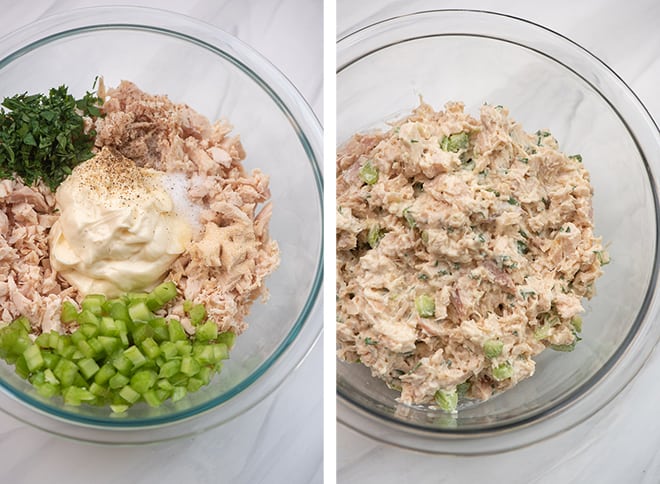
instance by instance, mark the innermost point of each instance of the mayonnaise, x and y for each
(117, 229)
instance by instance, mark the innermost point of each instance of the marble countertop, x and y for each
(278, 441)
(621, 443)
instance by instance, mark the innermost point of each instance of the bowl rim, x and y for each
(305, 330)
(357, 416)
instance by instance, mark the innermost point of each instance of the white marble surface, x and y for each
(280, 440)
(620, 444)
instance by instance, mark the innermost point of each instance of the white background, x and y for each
(280, 440)
(620, 444)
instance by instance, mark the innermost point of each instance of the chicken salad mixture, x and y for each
(464, 249)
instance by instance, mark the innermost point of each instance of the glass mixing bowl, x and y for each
(216, 74)
(546, 81)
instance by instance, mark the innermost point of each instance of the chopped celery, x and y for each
(425, 305)
(455, 142)
(369, 173)
(197, 314)
(88, 367)
(33, 358)
(207, 332)
(129, 394)
(120, 353)
(493, 348)
(503, 371)
(164, 292)
(143, 380)
(69, 312)
(228, 338)
(446, 400)
(176, 331)
(139, 312)
(374, 236)
(135, 356)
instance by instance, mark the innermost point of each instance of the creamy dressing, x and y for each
(119, 229)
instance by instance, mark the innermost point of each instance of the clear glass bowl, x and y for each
(219, 76)
(546, 81)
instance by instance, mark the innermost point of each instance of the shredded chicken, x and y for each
(455, 236)
(230, 255)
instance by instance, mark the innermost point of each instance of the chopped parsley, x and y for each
(369, 341)
(42, 137)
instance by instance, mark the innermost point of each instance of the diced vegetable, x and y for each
(455, 142)
(120, 354)
(369, 173)
(425, 306)
(493, 348)
(503, 371)
(447, 400)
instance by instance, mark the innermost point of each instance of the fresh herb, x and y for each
(523, 160)
(540, 135)
(522, 247)
(526, 294)
(603, 257)
(423, 277)
(369, 341)
(513, 201)
(523, 234)
(43, 137)
(414, 141)
(577, 158)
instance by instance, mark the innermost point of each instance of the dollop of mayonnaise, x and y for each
(118, 230)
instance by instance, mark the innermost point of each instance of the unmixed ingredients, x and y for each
(464, 248)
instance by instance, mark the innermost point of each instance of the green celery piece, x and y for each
(138, 311)
(75, 395)
(189, 366)
(447, 400)
(108, 327)
(109, 344)
(88, 367)
(49, 377)
(168, 349)
(121, 362)
(152, 399)
(135, 356)
(165, 384)
(183, 347)
(150, 348)
(85, 348)
(65, 371)
(425, 306)
(21, 368)
(206, 332)
(93, 303)
(43, 340)
(374, 236)
(197, 314)
(118, 310)
(118, 408)
(143, 380)
(194, 384)
(204, 375)
(493, 348)
(228, 338)
(164, 292)
(89, 330)
(503, 371)
(141, 331)
(69, 312)
(178, 393)
(129, 394)
(170, 368)
(87, 316)
(369, 173)
(47, 390)
(104, 374)
(50, 359)
(176, 331)
(33, 358)
(118, 381)
(98, 390)
(220, 352)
